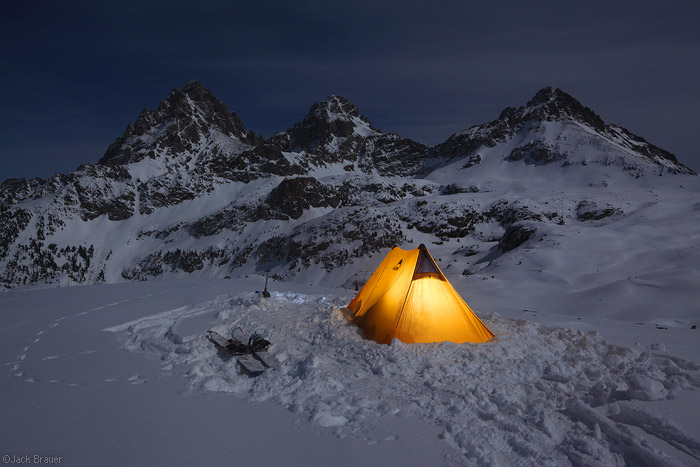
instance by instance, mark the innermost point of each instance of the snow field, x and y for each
(535, 395)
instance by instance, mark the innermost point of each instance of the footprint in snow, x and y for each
(53, 357)
(136, 379)
(371, 442)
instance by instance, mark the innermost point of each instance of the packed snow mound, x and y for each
(534, 395)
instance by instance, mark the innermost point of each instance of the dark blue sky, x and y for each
(75, 73)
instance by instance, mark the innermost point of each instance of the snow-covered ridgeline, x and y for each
(187, 191)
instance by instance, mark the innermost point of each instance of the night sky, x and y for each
(75, 74)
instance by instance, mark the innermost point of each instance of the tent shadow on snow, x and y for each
(408, 298)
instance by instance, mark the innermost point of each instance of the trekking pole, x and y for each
(265, 293)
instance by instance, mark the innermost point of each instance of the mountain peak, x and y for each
(335, 107)
(184, 119)
(333, 117)
(193, 83)
(548, 94)
(193, 92)
(552, 103)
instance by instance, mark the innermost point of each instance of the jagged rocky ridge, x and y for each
(187, 190)
(553, 105)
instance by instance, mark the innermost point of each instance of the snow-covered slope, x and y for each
(187, 191)
(152, 388)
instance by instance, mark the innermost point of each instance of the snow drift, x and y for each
(535, 395)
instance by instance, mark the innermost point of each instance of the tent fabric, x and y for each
(408, 297)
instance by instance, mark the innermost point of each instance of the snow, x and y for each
(596, 361)
(98, 403)
(598, 170)
(128, 370)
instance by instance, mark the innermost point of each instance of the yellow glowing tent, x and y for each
(408, 297)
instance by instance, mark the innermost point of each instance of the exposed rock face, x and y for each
(334, 117)
(334, 132)
(536, 153)
(553, 104)
(591, 210)
(550, 105)
(442, 219)
(187, 189)
(335, 241)
(13, 221)
(295, 195)
(393, 155)
(641, 146)
(514, 236)
(269, 159)
(179, 124)
(156, 264)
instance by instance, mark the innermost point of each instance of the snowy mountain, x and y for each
(554, 128)
(187, 191)
(191, 121)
